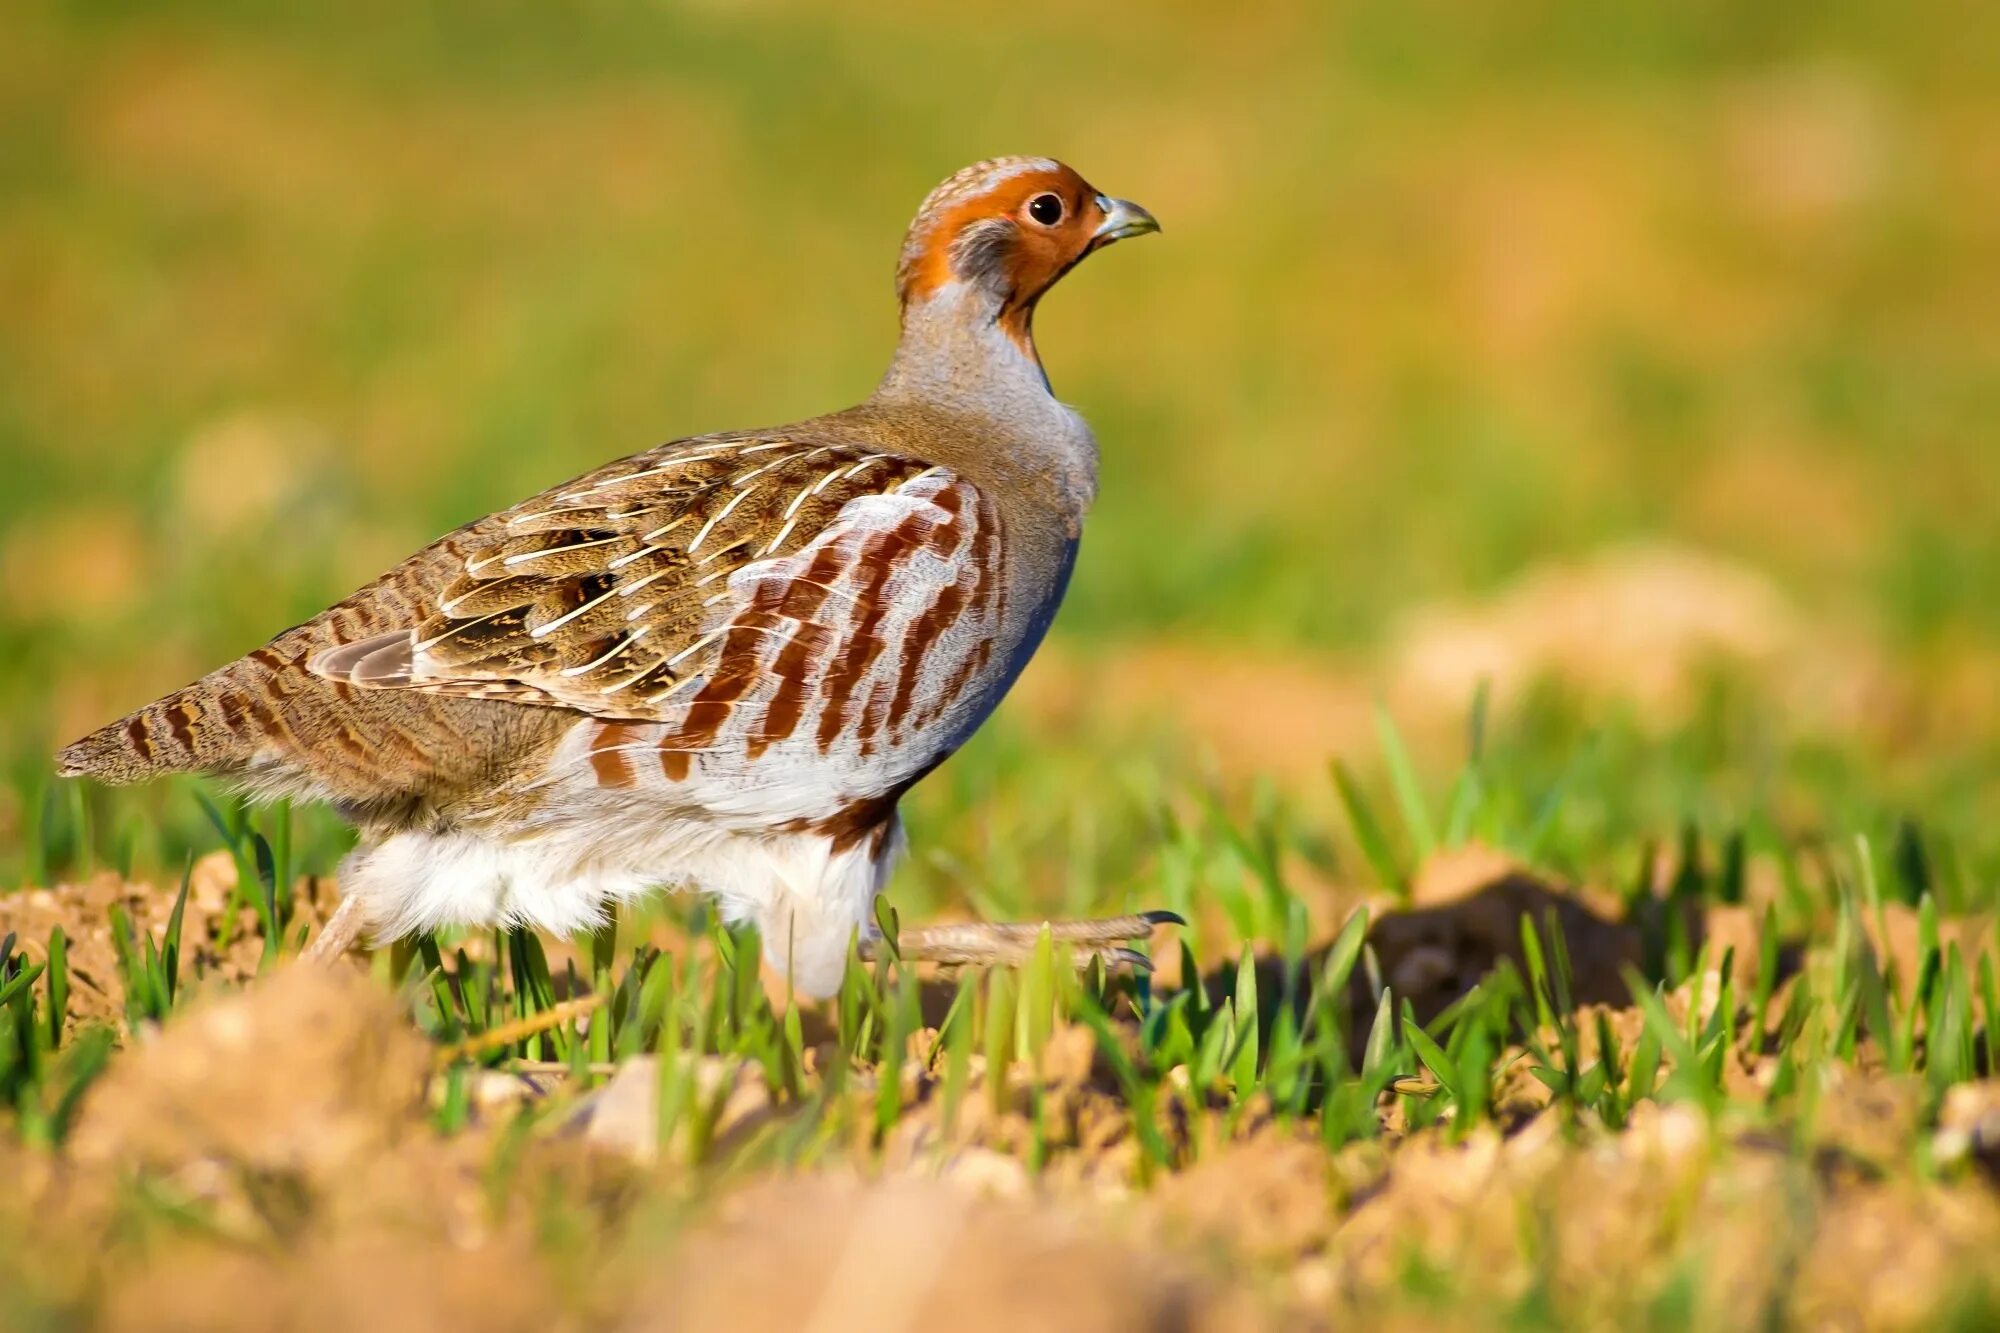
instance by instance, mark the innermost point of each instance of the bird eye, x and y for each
(1046, 209)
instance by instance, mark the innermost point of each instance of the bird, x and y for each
(717, 664)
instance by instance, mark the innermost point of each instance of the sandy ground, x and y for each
(269, 1160)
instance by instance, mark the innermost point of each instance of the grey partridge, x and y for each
(718, 663)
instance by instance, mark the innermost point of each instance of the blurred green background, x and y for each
(1641, 359)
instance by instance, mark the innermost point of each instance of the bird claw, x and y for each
(1114, 956)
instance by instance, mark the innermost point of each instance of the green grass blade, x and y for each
(1368, 833)
(58, 985)
(1409, 791)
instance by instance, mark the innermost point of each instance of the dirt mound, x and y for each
(1465, 917)
(386, 1284)
(291, 1117)
(832, 1253)
(311, 1072)
(221, 934)
(1646, 624)
(1775, 1239)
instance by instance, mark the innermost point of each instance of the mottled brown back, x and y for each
(266, 720)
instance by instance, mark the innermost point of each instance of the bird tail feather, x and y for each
(203, 727)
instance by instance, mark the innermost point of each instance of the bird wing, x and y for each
(684, 584)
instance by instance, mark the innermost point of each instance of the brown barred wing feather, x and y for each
(677, 585)
(836, 674)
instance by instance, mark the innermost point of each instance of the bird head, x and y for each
(1004, 231)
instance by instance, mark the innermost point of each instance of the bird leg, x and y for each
(339, 933)
(984, 942)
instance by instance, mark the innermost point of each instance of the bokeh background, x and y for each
(1641, 360)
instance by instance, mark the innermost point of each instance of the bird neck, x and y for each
(959, 354)
(956, 347)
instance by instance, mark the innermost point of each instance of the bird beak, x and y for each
(1122, 218)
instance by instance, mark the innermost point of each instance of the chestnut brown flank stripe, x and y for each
(866, 818)
(974, 663)
(871, 721)
(611, 764)
(945, 539)
(734, 673)
(988, 562)
(850, 824)
(952, 500)
(930, 627)
(857, 654)
(801, 600)
(804, 596)
(925, 632)
(793, 671)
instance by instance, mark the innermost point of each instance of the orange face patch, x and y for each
(1030, 226)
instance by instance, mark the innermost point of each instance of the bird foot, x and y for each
(987, 942)
(340, 933)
